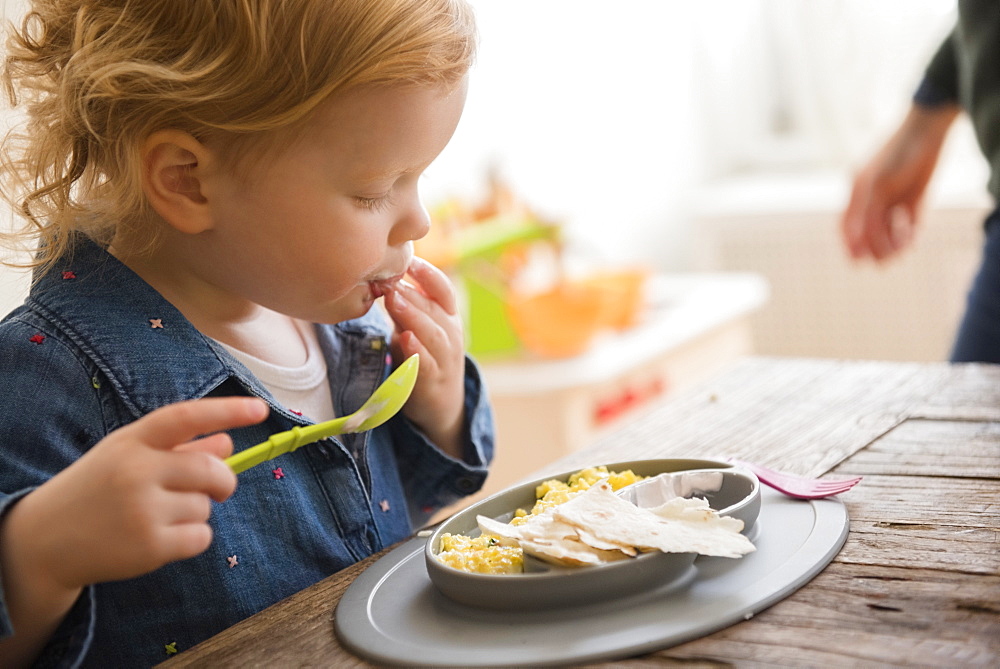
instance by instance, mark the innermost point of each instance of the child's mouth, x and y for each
(380, 287)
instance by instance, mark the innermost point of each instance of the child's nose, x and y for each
(413, 223)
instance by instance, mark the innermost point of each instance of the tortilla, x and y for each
(680, 526)
(594, 542)
(541, 528)
(570, 553)
(598, 526)
(554, 541)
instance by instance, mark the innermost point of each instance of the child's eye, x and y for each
(374, 203)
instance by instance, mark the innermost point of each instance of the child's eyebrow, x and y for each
(390, 174)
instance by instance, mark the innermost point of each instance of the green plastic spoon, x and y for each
(384, 403)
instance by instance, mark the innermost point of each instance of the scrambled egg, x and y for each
(488, 554)
(481, 555)
(554, 492)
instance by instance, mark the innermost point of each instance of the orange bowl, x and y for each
(623, 293)
(558, 323)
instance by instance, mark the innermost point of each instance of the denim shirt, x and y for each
(94, 347)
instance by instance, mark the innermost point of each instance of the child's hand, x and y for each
(138, 499)
(427, 322)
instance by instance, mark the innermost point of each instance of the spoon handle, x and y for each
(384, 403)
(284, 442)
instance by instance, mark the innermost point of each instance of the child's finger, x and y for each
(408, 311)
(409, 344)
(181, 422)
(186, 507)
(198, 472)
(419, 299)
(219, 444)
(435, 283)
(179, 542)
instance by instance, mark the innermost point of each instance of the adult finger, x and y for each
(178, 423)
(878, 236)
(852, 223)
(903, 226)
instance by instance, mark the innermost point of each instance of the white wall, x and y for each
(13, 283)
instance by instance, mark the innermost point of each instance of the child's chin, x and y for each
(343, 311)
(359, 309)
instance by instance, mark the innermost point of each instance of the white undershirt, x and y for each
(303, 389)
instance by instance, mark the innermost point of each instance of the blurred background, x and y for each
(721, 135)
(701, 151)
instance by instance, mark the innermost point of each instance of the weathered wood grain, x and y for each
(853, 615)
(804, 415)
(918, 581)
(934, 448)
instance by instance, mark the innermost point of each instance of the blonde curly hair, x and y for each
(96, 77)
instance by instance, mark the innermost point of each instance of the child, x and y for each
(220, 190)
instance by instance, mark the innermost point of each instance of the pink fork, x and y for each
(799, 487)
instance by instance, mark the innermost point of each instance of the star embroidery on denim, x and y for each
(68, 274)
(232, 561)
(37, 338)
(278, 474)
(156, 323)
(171, 648)
(384, 505)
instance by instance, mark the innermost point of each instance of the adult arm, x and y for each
(887, 194)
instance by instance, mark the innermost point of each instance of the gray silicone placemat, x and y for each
(393, 614)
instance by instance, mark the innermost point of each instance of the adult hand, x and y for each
(887, 194)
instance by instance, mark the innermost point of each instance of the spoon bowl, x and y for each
(384, 403)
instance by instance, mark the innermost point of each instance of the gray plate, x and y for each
(393, 614)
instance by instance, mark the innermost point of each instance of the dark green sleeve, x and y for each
(940, 83)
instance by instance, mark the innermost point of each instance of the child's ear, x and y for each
(174, 163)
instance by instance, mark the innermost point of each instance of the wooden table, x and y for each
(918, 581)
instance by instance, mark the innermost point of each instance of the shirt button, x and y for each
(466, 484)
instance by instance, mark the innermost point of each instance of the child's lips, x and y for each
(380, 287)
